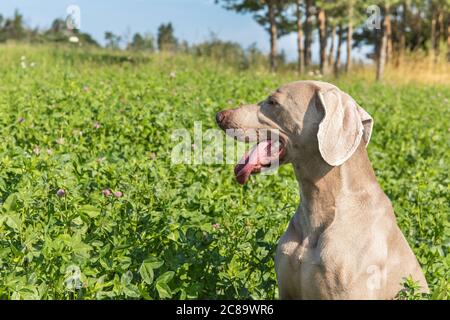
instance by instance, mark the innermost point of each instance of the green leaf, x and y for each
(90, 211)
(161, 284)
(131, 291)
(163, 290)
(14, 221)
(10, 202)
(154, 262)
(146, 272)
(126, 278)
(165, 277)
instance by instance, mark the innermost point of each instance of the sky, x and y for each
(193, 20)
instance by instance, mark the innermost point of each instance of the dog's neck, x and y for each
(321, 187)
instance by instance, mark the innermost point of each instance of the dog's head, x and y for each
(300, 118)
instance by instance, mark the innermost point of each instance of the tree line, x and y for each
(392, 27)
(225, 52)
(14, 28)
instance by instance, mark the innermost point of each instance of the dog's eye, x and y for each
(271, 102)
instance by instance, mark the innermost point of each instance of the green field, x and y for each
(86, 121)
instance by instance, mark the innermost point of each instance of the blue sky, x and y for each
(193, 20)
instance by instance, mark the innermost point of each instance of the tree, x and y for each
(322, 19)
(271, 14)
(112, 40)
(58, 26)
(330, 60)
(440, 31)
(326, 9)
(395, 30)
(14, 28)
(350, 4)
(301, 53)
(337, 60)
(254, 56)
(57, 31)
(85, 38)
(448, 36)
(309, 11)
(166, 38)
(136, 43)
(336, 21)
(448, 41)
(437, 9)
(142, 43)
(388, 30)
(382, 47)
(403, 30)
(226, 52)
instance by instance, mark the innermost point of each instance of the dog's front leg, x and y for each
(287, 265)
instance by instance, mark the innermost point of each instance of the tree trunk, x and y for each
(441, 26)
(433, 34)
(349, 37)
(273, 38)
(439, 34)
(388, 34)
(331, 52)
(402, 48)
(308, 40)
(448, 40)
(416, 26)
(301, 65)
(321, 18)
(337, 61)
(381, 61)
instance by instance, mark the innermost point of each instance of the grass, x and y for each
(86, 121)
(414, 68)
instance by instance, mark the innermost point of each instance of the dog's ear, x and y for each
(342, 127)
(367, 122)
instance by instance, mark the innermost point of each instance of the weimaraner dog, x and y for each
(343, 242)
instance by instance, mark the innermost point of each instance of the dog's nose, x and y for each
(219, 117)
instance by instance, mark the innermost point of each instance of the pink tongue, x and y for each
(253, 160)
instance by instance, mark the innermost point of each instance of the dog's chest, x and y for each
(311, 267)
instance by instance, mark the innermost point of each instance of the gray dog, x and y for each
(343, 242)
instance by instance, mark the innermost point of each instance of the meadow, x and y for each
(93, 208)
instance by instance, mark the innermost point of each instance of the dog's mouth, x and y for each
(264, 155)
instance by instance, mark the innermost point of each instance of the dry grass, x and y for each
(415, 68)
